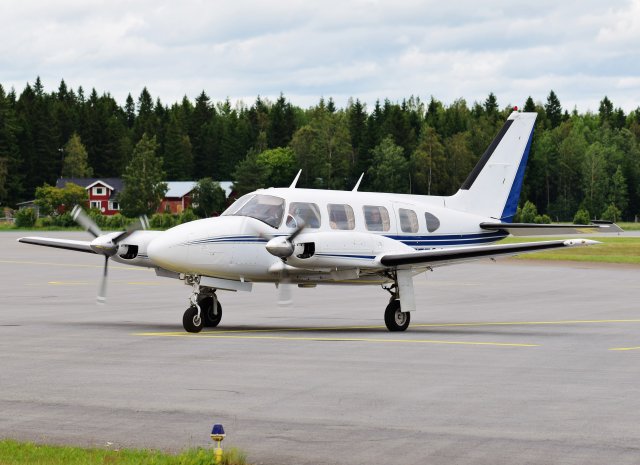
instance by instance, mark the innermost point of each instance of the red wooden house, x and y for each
(102, 192)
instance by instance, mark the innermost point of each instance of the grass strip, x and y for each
(26, 453)
(612, 250)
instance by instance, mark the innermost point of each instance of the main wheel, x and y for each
(210, 319)
(394, 318)
(191, 322)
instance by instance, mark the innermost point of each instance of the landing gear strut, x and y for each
(205, 310)
(394, 318)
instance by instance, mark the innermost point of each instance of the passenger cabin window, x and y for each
(266, 208)
(433, 222)
(302, 212)
(376, 218)
(341, 216)
(408, 220)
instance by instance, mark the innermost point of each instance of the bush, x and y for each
(117, 222)
(162, 221)
(582, 217)
(528, 213)
(26, 218)
(187, 215)
(611, 213)
(64, 221)
(542, 219)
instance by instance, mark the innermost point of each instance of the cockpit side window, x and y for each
(303, 212)
(341, 216)
(376, 218)
(408, 220)
(266, 208)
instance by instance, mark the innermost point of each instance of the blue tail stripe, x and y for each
(511, 206)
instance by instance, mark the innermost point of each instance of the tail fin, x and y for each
(493, 187)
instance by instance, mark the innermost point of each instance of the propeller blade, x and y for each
(85, 221)
(298, 230)
(102, 295)
(142, 222)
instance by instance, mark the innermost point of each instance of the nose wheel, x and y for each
(192, 321)
(205, 310)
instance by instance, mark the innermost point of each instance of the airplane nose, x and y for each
(161, 251)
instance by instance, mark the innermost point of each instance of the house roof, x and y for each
(227, 186)
(113, 183)
(178, 189)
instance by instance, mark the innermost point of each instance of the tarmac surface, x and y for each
(507, 362)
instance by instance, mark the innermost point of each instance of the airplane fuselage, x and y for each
(343, 230)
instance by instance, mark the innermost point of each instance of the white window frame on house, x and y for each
(99, 190)
(114, 205)
(95, 204)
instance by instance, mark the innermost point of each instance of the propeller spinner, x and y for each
(105, 244)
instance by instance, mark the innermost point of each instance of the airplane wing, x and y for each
(530, 229)
(440, 257)
(68, 244)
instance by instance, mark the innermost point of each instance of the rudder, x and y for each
(493, 187)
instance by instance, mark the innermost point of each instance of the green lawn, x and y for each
(612, 250)
(21, 453)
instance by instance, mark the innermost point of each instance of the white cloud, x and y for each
(582, 49)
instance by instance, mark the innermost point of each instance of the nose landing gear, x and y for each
(205, 310)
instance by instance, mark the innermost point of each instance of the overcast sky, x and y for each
(366, 49)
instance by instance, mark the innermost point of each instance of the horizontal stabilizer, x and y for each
(532, 229)
(439, 257)
(68, 244)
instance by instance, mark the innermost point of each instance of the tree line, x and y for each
(578, 161)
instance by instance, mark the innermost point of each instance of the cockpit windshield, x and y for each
(266, 208)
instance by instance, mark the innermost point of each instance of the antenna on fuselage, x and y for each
(355, 188)
(295, 181)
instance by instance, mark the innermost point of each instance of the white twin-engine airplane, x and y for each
(309, 237)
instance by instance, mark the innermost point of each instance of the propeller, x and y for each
(282, 247)
(105, 244)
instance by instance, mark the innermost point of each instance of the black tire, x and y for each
(191, 322)
(395, 319)
(206, 306)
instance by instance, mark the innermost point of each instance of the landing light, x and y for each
(217, 435)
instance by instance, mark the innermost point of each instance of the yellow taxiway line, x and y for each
(433, 325)
(621, 349)
(211, 335)
(245, 333)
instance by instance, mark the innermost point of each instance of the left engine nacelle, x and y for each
(341, 250)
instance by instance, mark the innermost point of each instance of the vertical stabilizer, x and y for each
(493, 187)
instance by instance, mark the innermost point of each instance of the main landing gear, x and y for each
(205, 310)
(394, 317)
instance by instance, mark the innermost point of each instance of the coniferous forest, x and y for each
(588, 161)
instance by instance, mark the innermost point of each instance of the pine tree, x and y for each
(553, 110)
(178, 157)
(529, 106)
(143, 180)
(75, 163)
(11, 162)
(491, 106)
(605, 111)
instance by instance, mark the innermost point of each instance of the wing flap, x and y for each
(531, 229)
(68, 244)
(439, 257)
